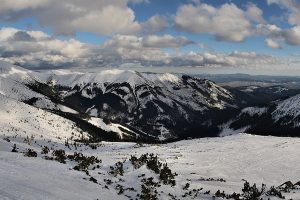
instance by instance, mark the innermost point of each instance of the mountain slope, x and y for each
(209, 163)
(280, 118)
(118, 105)
(16, 91)
(19, 119)
(164, 105)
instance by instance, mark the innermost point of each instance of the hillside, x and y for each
(209, 163)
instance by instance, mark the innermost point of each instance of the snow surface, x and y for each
(109, 127)
(20, 119)
(251, 111)
(258, 159)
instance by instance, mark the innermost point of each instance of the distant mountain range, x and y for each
(117, 105)
(246, 79)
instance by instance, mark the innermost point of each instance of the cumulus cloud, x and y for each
(166, 41)
(289, 35)
(231, 23)
(293, 8)
(145, 50)
(124, 48)
(69, 16)
(276, 35)
(234, 59)
(272, 43)
(35, 49)
(155, 24)
(227, 22)
(254, 13)
(19, 5)
(292, 36)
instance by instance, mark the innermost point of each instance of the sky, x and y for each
(197, 36)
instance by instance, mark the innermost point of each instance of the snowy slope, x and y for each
(290, 109)
(19, 119)
(258, 159)
(152, 103)
(13, 84)
(19, 85)
(252, 111)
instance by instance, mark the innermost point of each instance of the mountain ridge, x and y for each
(133, 106)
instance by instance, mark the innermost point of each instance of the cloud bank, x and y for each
(35, 49)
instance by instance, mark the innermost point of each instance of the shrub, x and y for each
(274, 192)
(120, 189)
(166, 176)
(14, 149)
(45, 150)
(6, 139)
(252, 192)
(83, 161)
(187, 185)
(30, 153)
(287, 186)
(60, 156)
(92, 179)
(152, 162)
(149, 191)
(117, 169)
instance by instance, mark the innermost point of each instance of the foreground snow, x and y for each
(268, 160)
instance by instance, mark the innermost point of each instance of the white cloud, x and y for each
(235, 59)
(155, 24)
(143, 49)
(230, 23)
(69, 16)
(275, 35)
(272, 43)
(293, 8)
(289, 35)
(268, 30)
(35, 49)
(120, 21)
(292, 36)
(227, 22)
(19, 5)
(165, 41)
(254, 13)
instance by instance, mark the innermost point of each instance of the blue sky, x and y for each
(112, 33)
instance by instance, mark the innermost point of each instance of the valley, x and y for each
(127, 135)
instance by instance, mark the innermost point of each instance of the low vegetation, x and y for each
(156, 175)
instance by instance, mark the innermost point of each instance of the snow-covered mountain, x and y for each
(288, 111)
(164, 105)
(149, 106)
(127, 105)
(49, 123)
(19, 104)
(281, 118)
